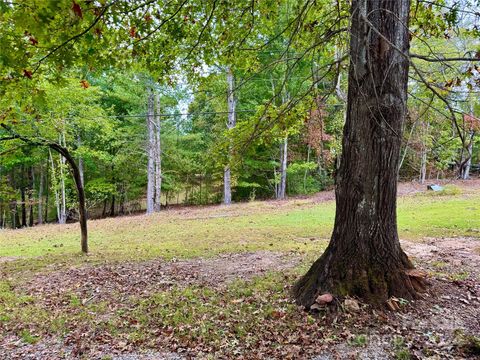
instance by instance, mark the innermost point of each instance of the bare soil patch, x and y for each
(4, 259)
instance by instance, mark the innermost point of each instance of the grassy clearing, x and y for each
(297, 225)
(246, 316)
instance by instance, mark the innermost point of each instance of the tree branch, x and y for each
(429, 59)
(79, 35)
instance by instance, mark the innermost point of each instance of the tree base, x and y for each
(373, 281)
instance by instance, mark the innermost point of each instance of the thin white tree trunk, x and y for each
(282, 188)
(55, 185)
(63, 208)
(158, 156)
(80, 161)
(423, 166)
(231, 102)
(283, 169)
(151, 154)
(468, 164)
(423, 154)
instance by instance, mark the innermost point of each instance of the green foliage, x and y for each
(303, 178)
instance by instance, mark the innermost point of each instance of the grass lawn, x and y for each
(254, 314)
(296, 225)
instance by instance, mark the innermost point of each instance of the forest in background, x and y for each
(268, 122)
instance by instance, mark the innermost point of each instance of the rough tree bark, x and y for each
(232, 103)
(364, 257)
(150, 154)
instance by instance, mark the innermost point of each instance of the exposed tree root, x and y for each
(374, 281)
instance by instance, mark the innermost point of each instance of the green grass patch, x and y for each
(448, 190)
(295, 226)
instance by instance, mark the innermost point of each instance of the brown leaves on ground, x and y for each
(259, 324)
(117, 282)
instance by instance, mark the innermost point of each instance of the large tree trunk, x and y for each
(364, 257)
(150, 154)
(231, 102)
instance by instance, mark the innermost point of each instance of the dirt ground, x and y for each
(450, 308)
(108, 282)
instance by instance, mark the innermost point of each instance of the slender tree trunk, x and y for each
(112, 206)
(15, 215)
(468, 162)
(364, 257)
(55, 186)
(62, 150)
(62, 218)
(82, 209)
(158, 156)
(282, 186)
(47, 193)
(423, 166)
(40, 197)
(306, 172)
(232, 103)
(80, 160)
(23, 206)
(104, 211)
(423, 153)
(150, 154)
(31, 197)
(122, 199)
